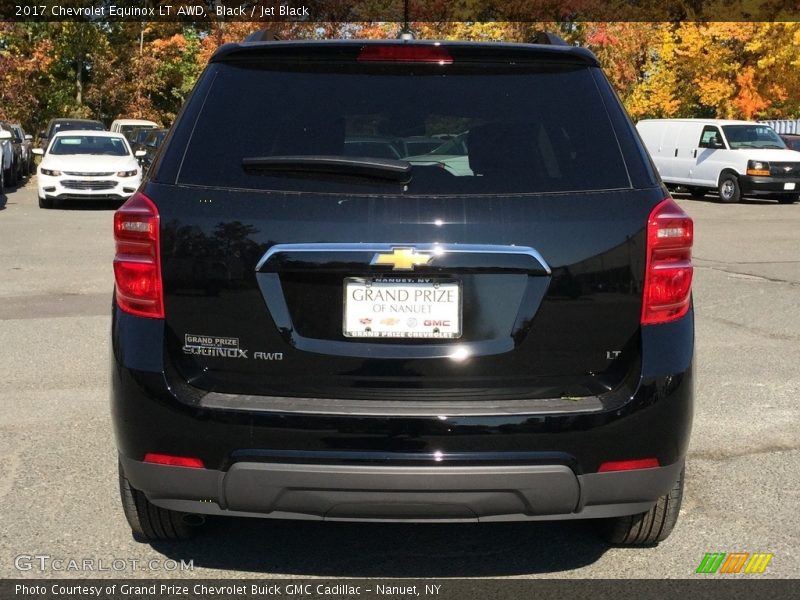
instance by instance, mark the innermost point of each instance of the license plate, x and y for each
(789, 186)
(402, 308)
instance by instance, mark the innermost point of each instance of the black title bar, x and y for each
(400, 10)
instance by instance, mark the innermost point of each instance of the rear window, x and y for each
(464, 131)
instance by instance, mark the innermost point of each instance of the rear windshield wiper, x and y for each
(387, 169)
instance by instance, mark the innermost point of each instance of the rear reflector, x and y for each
(628, 465)
(433, 54)
(137, 264)
(173, 461)
(668, 271)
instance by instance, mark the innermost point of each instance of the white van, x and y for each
(736, 158)
(125, 126)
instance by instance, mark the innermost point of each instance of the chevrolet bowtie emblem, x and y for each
(402, 259)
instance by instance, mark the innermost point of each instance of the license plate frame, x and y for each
(390, 321)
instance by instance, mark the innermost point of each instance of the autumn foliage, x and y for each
(106, 70)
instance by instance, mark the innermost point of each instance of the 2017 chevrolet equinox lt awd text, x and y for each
(502, 330)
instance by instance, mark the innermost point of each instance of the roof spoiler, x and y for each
(263, 35)
(548, 39)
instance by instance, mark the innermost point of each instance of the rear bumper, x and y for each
(768, 186)
(463, 465)
(401, 493)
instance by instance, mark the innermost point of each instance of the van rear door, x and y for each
(686, 156)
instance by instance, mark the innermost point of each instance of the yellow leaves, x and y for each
(731, 70)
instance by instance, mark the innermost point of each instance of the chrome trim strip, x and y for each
(438, 249)
(405, 408)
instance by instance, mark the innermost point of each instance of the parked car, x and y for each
(736, 158)
(138, 136)
(792, 140)
(15, 173)
(417, 144)
(126, 126)
(67, 124)
(150, 146)
(451, 155)
(28, 166)
(6, 157)
(87, 165)
(390, 146)
(375, 145)
(379, 340)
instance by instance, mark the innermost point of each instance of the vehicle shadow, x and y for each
(305, 548)
(87, 205)
(714, 199)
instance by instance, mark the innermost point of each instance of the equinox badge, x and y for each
(402, 259)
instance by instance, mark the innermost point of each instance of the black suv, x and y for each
(503, 332)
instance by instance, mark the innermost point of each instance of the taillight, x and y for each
(428, 53)
(174, 461)
(668, 271)
(628, 465)
(137, 264)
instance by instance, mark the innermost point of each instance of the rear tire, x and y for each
(729, 189)
(45, 203)
(651, 527)
(788, 199)
(148, 522)
(697, 192)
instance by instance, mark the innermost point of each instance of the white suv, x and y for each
(736, 158)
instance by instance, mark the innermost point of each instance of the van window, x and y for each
(710, 138)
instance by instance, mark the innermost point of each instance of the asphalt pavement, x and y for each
(58, 484)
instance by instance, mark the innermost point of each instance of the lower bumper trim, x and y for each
(769, 185)
(401, 493)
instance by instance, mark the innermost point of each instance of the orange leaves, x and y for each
(749, 101)
(168, 46)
